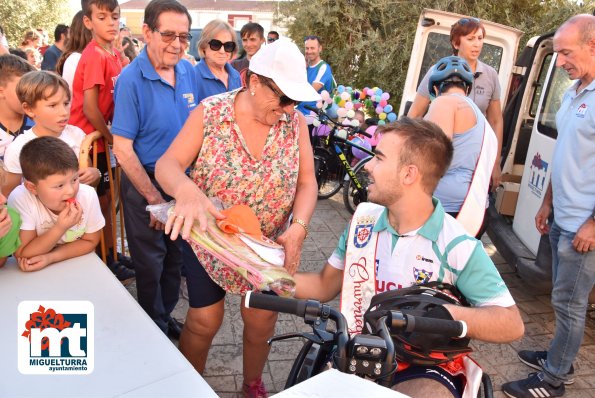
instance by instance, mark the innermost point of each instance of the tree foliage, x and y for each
(368, 42)
(18, 16)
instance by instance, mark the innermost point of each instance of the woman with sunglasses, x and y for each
(216, 47)
(466, 39)
(248, 146)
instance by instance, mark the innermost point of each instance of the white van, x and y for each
(532, 91)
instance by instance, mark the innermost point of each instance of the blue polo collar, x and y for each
(205, 72)
(430, 230)
(148, 70)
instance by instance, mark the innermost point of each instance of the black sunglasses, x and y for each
(228, 46)
(168, 37)
(271, 39)
(465, 21)
(283, 99)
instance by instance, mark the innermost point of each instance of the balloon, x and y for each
(349, 105)
(378, 91)
(355, 123)
(322, 131)
(391, 117)
(341, 134)
(357, 152)
(349, 89)
(356, 95)
(385, 96)
(340, 89)
(382, 116)
(341, 112)
(332, 111)
(328, 100)
(319, 104)
(316, 122)
(324, 94)
(381, 122)
(388, 108)
(357, 106)
(345, 96)
(370, 92)
(383, 103)
(337, 99)
(342, 103)
(373, 141)
(350, 113)
(379, 109)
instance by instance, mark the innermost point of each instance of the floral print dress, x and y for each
(226, 169)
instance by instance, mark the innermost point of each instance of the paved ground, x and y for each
(224, 367)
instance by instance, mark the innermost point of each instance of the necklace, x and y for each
(107, 51)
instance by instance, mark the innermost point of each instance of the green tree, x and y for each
(17, 16)
(368, 42)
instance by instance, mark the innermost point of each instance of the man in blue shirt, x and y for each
(320, 75)
(51, 56)
(571, 197)
(153, 97)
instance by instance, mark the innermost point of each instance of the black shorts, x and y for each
(454, 383)
(103, 186)
(202, 290)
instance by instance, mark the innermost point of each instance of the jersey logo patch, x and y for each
(363, 233)
(581, 111)
(422, 276)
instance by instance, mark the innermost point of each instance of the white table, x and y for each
(133, 358)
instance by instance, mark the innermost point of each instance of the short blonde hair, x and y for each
(40, 85)
(211, 30)
(30, 35)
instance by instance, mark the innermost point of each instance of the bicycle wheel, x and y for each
(310, 361)
(329, 173)
(352, 195)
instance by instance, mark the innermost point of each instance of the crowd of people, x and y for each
(237, 130)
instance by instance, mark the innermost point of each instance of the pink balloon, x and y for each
(357, 106)
(375, 137)
(385, 96)
(349, 105)
(383, 103)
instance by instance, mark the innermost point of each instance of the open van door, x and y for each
(432, 42)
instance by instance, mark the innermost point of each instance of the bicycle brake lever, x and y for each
(308, 336)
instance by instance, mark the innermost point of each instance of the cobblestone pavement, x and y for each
(224, 366)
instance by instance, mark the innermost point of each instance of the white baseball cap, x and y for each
(283, 62)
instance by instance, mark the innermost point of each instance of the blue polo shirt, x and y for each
(573, 162)
(319, 73)
(211, 85)
(148, 110)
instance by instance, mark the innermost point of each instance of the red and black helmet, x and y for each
(424, 300)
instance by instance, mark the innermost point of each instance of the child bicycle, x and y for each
(373, 355)
(332, 166)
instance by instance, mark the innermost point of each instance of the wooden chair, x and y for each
(88, 153)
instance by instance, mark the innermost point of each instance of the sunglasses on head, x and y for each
(283, 99)
(465, 21)
(169, 37)
(228, 46)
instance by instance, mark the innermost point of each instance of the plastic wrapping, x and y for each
(234, 254)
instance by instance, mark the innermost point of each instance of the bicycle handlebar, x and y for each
(320, 112)
(399, 322)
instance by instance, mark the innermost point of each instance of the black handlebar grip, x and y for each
(362, 132)
(444, 327)
(313, 109)
(275, 303)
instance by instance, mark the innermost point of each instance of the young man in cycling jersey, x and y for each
(405, 238)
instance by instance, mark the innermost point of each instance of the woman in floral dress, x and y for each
(249, 146)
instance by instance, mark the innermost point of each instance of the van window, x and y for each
(558, 84)
(539, 84)
(438, 46)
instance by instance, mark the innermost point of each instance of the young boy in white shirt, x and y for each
(45, 98)
(60, 218)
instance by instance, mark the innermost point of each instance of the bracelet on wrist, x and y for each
(303, 224)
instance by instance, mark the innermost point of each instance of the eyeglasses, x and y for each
(271, 39)
(228, 46)
(465, 21)
(169, 37)
(283, 99)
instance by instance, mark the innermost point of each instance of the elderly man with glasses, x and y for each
(153, 97)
